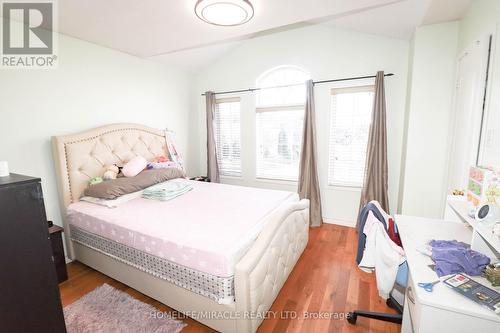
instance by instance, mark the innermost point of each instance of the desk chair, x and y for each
(397, 295)
(395, 301)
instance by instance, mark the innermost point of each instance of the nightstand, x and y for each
(55, 233)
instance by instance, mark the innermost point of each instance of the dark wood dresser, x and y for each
(29, 293)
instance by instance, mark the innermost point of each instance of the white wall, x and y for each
(92, 86)
(406, 125)
(429, 118)
(326, 53)
(483, 17)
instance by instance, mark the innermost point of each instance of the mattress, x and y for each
(208, 229)
(219, 289)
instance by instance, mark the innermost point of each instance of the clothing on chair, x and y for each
(381, 254)
(378, 213)
(389, 225)
(392, 230)
(378, 251)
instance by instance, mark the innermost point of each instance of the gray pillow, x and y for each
(112, 189)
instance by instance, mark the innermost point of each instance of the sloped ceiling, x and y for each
(148, 28)
(400, 19)
(396, 19)
(169, 31)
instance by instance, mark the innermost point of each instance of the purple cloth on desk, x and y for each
(452, 257)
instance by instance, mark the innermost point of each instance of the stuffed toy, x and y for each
(111, 172)
(95, 180)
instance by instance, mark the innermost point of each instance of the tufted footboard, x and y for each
(265, 267)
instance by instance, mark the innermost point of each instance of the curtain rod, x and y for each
(298, 84)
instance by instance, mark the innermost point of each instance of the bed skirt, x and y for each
(219, 289)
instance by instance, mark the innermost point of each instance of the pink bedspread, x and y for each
(209, 228)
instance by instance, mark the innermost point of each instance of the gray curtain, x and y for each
(376, 170)
(308, 175)
(212, 164)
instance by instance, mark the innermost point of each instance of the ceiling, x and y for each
(148, 28)
(197, 58)
(169, 31)
(396, 19)
(400, 19)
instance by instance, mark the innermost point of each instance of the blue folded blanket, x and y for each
(452, 257)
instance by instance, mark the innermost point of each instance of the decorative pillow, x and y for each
(134, 166)
(115, 188)
(162, 165)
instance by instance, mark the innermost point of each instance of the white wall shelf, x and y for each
(483, 239)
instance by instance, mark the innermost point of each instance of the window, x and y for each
(351, 110)
(279, 139)
(289, 87)
(280, 117)
(227, 136)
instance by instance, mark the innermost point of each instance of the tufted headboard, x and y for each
(79, 157)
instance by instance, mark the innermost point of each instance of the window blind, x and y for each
(280, 116)
(279, 140)
(228, 136)
(350, 118)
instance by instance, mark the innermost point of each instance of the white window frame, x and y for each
(222, 172)
(293, 107)
(331, 182)
(275, 108)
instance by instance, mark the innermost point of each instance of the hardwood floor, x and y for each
(326, 280)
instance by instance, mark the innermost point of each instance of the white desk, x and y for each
(443, 310)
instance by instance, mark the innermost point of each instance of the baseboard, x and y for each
(351, 224)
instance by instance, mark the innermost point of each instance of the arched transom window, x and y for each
(289, 83)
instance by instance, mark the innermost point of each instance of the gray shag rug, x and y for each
(106, 309)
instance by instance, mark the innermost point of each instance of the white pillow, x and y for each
(114, 202)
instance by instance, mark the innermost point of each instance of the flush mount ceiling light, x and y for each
(224, 12)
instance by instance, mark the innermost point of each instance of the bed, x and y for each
(221, 256)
